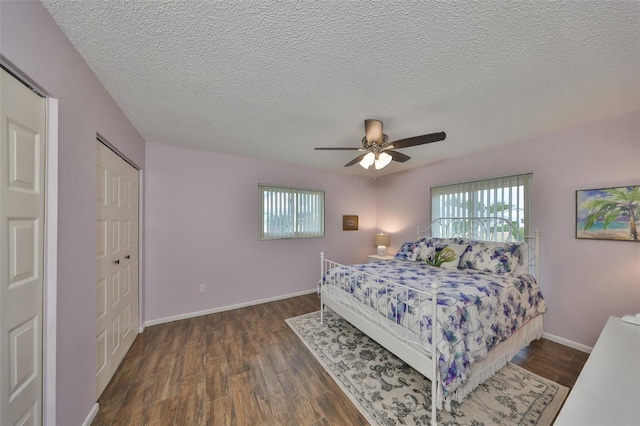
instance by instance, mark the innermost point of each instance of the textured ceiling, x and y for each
(273, 79)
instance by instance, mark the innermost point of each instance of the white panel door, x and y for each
(22, 160)
(117, 257)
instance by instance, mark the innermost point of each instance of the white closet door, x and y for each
(117, 257)
(22, 171)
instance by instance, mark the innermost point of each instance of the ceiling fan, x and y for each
(379, 151)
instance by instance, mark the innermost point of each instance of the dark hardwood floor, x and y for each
(246, 367)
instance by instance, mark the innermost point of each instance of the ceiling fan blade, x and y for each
(418, 140)
(355, 160)
(397, 156)
(339, 149)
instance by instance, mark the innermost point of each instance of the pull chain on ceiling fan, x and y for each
(377, 149)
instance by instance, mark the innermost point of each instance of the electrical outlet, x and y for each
(201, 288)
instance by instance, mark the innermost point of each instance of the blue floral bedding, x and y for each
(476, 309)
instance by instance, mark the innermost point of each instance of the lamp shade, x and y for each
(382, 160)
(381, 240)
(368, 160)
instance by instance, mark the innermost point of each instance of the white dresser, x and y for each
(607, 391)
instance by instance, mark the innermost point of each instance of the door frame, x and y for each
(49, 344)
(50, 276)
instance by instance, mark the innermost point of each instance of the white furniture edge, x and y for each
(607, 391)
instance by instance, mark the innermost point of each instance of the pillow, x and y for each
(409, 251)
(522, 266)
(497, 258)
(426, 249)
(447, 256)
(455, 240)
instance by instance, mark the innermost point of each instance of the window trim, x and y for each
(296, 232)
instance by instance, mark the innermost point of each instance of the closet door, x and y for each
(22, 222)
(117, 258)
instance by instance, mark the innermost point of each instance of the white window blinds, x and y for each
(290, 213)
(505, 197)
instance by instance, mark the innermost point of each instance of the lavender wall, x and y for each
(201, 212)
(31, 40)
(583, 281)
(202, 228)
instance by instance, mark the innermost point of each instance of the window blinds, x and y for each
(504, 197)
(290, 213)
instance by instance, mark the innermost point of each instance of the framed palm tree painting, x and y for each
(608, 213)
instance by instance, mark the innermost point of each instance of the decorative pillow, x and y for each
(409, 251)
(497, 258)
(455, 240)
(426, 249)
(447, 256)
(522, 266)
(430, 243)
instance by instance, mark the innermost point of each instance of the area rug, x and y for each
(389, 392)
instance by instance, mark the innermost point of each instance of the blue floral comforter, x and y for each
(476, 310)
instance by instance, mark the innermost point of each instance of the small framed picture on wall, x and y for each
(349, 223)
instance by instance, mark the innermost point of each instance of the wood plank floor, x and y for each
(247, 367)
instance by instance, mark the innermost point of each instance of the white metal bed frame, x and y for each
(389, 333)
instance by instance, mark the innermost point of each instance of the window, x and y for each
(290, 213)
(505, 197)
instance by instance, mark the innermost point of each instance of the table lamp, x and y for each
(382, 241)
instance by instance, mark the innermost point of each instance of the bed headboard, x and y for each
(473, 228)
(494, 229)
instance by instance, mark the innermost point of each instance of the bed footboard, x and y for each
(364, 300)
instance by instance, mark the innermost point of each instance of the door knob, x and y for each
(117, 262)
(127, 257)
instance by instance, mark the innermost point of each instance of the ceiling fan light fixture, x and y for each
(368, 160)
(383, 160)
(379, 151)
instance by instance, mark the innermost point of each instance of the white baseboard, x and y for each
(92, 415)
(553, 338)
(224, 308)
(567, 342)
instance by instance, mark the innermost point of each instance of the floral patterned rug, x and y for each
(389, 392)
